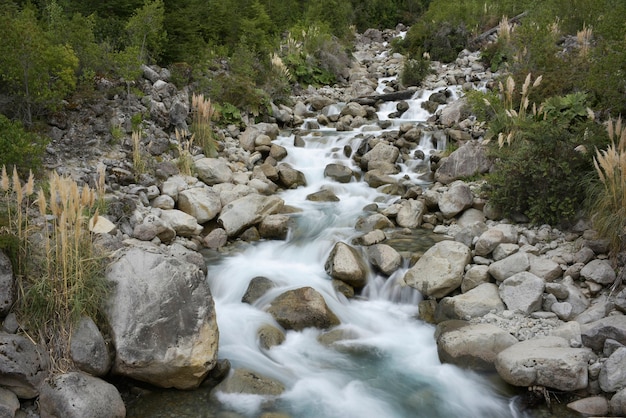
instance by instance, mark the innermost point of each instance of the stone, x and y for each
(384, 258)
(613, 373)
(546, 361)
(454, 112)
(163, 202)
(456, 199)
(213, 171)
(250, 382)
(382, 151)
(7, 285)
(270, 336)
(440, 270)
(346, 264)
(200, 202)
(23, 365)
(475, 276)
(522, 292)
(79, 395)
(595, 333)
(617, 404)
(374, 237)
(598, 271)
(88, 348)
(370, 223)
(162, 319)
(100, 225)
(507, 267)
(339, 172)
(247, 211)
(290, 178)
(302, 308)
(503, 250)
(215, 239)
(182, 223)
(595, 406)
(475, 303)
(275, 226)
(473, 346)
(323, 195)
(257, 287)
(468, 160)
(471, 216)
(488, 241)
(410, 213)
(9, 403)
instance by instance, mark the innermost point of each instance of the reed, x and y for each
(139, 161)
(185, 156)
(609, 200)
(203, 113)
(58, 269)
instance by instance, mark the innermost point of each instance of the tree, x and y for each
(38, 72)
(146, 30)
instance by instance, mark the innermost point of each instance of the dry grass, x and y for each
(185, 156)
(59, 273)
(139, 161)
(203, 114)
(609, 207)
(584, 37)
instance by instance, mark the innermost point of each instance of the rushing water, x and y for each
(385, 364)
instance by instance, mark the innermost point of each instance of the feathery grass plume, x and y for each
(203, 113)
(583, 37)
(139, 162)
(185, 157)
(505, 29)
(609, 200)
(279, 65)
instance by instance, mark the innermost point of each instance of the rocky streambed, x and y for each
(533, 304)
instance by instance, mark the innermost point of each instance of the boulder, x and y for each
(275, 226)
(440, 270)
(376, 221)
(247, 211)
(410, 213)
(384, 258)
(382, 151)
(213, 171)
(250, 382)
(475, 276)
(545, 268)
(7, 285)
(269, 336)
(598, 271)
(88, 349)
(182, 223)
(9, 403)
(323, 195)
(488, 241)
(257, 287)
(302, 308)
(473, 346)
(522, 292)
(547, 361)
(595, 333)
(507, 267)
(593, 406)
(162, 319)
(476, 303)
(613, 373)
(23, 365)
(339, 172)
(200, 202)
(289, 177)
(79, 395)
(456, 199)
(346, 264)
(466, 161)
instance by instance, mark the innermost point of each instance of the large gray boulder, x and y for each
(384, 258)
(466, 161)
(23, 365)
(346, 264)
(440, 270)
(547, 361)
(213, 171)
(381, 152)
(507, 267)
(182, 223)
(7, 285)
(302, 308)
(88, 348)
(79, 395)
(248, 211)
(595, 333)
(162, 319)
(9, 403)
(410, 213)
(613, 373)
(339, 172)
(475, 303)
(456, 199)
(473, 346)
(522, 292)
(598, 271)
(200, 202)
(250, 382)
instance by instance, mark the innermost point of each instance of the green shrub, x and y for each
(414, 71)
(19, 147)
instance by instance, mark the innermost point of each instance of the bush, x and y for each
(414, 71)
(19, 147)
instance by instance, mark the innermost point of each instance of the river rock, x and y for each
(290, 177)
(545, 268)
(598, 271)
(200, 202)
(384, 257)
(593, 406)
(456, 199)
(257, 287)
(547, 361)
(269, 336)
(9, 403)
(338, 172)
(473, 346)
(488, 241)
(522, 292)
(323, 195)
(302, 308)
(250, 382)
(440, 270)
(475, 276)
(346, 264)
(23, 365)
(275, 226)
(376, 221)
(613, 373)
(88, 349)
(213, 171)
(466, 161)
(7, 285)
(382, 151)
(248, 211)
(162, 319)
(410, 213)
(507, 267)
(376, 178)
(475, 303)
(79, 395)
(594, 334)
(184, 224)
(617, 404)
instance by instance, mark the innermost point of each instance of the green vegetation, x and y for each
(19, 147)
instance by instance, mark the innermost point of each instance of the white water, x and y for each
(388, 364)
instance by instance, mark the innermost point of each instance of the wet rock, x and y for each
(250, 382)
(248, 211)
(302, 308)
(274, 226)
(88, 349)
(257, 287)
(339, 172)
(346, 264)
(78, 395)
(382, 151)
(440, 270)
(323, 196)
(290, 178)
(384, 258)
(270, 336)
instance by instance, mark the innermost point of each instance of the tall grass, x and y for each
(203, 113)
(59, 272)
(139, 161)
(608, 206)
(185, 157)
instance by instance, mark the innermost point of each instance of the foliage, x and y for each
(58, 268)
(140, 164)
(607, 196)
(414, 71)
(203, 113)
(383, 14)
(20, 148)
(145, 30)
(227, 114)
